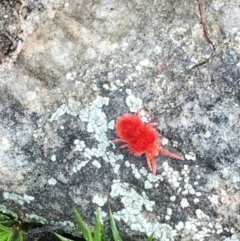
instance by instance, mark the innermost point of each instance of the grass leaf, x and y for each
(62, 238)
(150, 238)
(115, 233)
(3, 217)
(4, 236)
(104, 236)
(82, 226)
(9, 223)
(3, 228)
(11, 235)
(98, 228)
(6, 221)
(19, 236)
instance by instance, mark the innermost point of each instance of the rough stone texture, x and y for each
(9, 28)
(76, 66)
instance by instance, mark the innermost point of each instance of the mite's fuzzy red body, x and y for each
(141, 138)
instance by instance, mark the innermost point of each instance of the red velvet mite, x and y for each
(141, 138)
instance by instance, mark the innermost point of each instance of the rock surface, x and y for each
(72, 67)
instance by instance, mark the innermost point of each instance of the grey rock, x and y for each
(73, 67)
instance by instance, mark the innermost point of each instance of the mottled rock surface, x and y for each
(72, 67)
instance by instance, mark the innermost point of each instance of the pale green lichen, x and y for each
(4, 209)
(52, 181)
(63, 109)
(35, 218)
(133, 103)
(17, 198)
(131, 214)
(99, 199)
(234, 237)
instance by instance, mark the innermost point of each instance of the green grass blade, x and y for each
(3, 228)
(4, 217)
(98, 228)
(19, 236)
(150, 238)
(62, 238)
(6, 221)
(11, 235)
(4, 236)
(115, 233)
(104, 236)
(82, 226)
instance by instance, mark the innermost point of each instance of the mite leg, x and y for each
(149, 161)
(123, 146)
(117, 140)
(152, 165)
(152, 124)
(171, 154)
